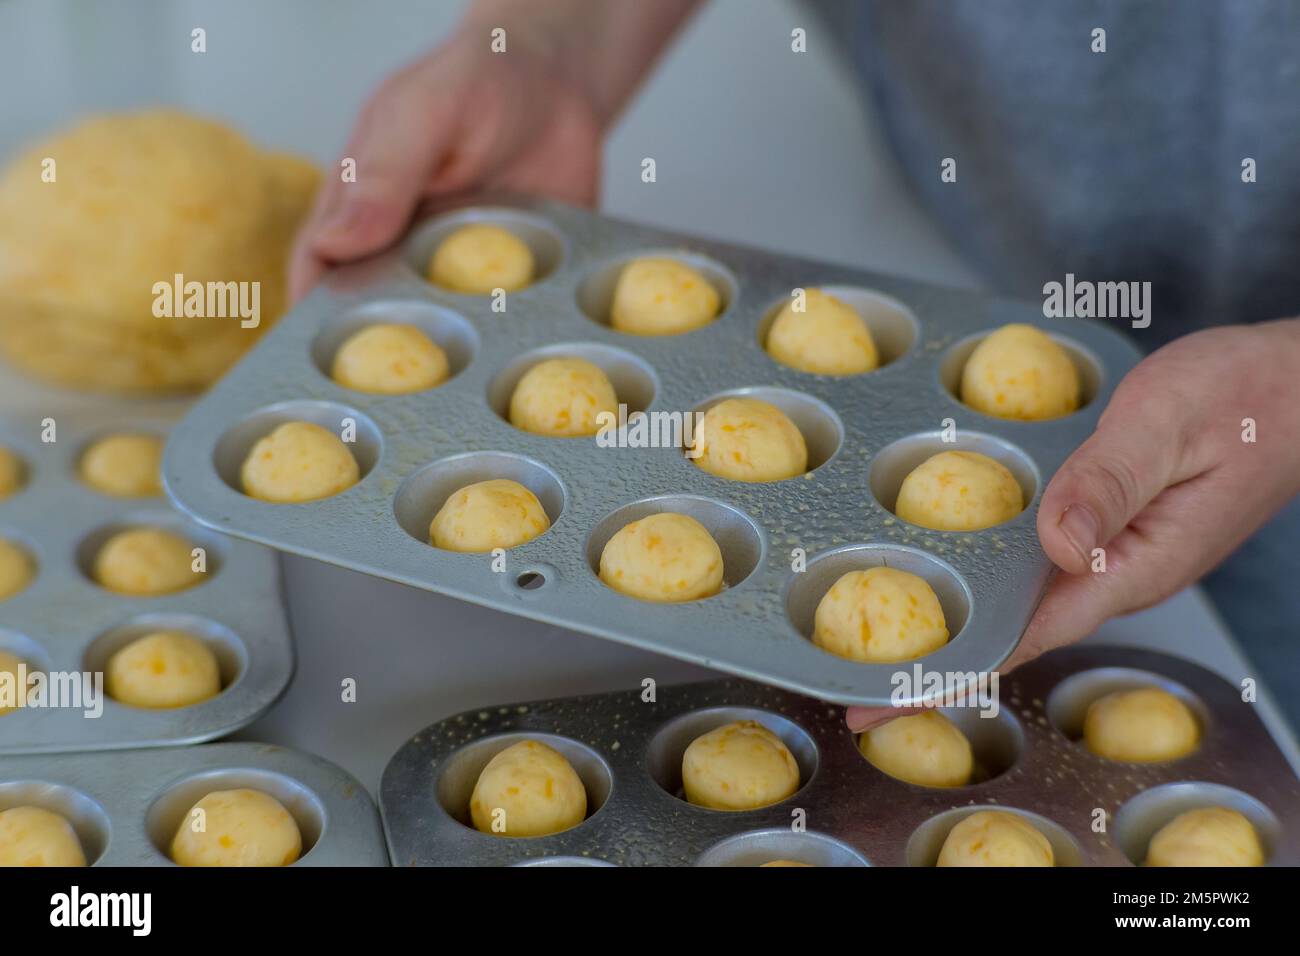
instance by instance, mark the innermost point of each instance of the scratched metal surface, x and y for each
(127, 806)
(1028, 757)
(409, 445)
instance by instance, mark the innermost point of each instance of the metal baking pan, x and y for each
(126, 807)
(864, 434)
(1028, 759)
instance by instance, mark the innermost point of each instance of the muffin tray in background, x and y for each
(1029, 758)
(65, 623)
(126, 807)
(864, 434)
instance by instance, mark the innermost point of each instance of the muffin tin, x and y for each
(1028, 757)
(864, 434)
(65, 623)
(127, 806)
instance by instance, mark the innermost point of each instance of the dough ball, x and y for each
(926, 749)
(661, 296)
(240, 828)
(1209, 836)
(1140, 726)
(827, 338)
(959, 491)
(299, 461)
(537, 788)
(10, 665)
(738, 766)
(146, 562)
(745, 439)
(995, 838)
(16, 569)
(30, 836)
(784, 863)
(163, 670)
(390, 359)
(561, 397)
(12, 473)
(663, 557)
(479, 258)
(498, 513)
(125, 465)
(881, 615)
(1020, 372)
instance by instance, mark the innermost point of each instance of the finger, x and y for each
(861, 719)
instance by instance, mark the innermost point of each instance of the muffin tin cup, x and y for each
(848, 812)
(745, 630)
(64, 623)
(127, 806)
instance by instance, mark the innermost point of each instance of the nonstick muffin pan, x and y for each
(864, 434)
(126, 807)
(64, 623)
(1028, 759)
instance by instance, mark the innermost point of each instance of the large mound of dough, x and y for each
(738, 766)
(996, 838)
(298, 462)
(528, 789)
(163, 670)
(745, 439)
(1208, 836)
(498, 513)
(1020, 372)
(562, 397)
(661, 296)
(390, 358)
(126, 464)
(926, 749)
(959, 491)
(237, 828)
(479, 258)
(880, 614)
(16, 569)
(146, 562)
(827, 338)
(31, 836)
(12, 472)
(138, 199)
(663, 557)
(1146, 725)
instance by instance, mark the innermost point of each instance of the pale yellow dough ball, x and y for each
(16, 569)
(30, 836)
(12, 473)
(745, 439)
(1020, 372)
(531, 789)
(390, 359)
(237, 828)
(661, 296)
(1209, 836)
(995, 838)
(125, 465)
(663, 557)
(784, 863)
(479, 258)
(926, 749)
(299, 461)
(562, 397)
(163, 670)
(881, 615)
(1140, 726)
(498, 513)
(146, 562)
(738, 766)
(959, 491)
(827, 338)
(10, 665)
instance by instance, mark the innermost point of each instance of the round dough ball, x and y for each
(12, 473)
(389, 358)
(996, 838)
(125, 465)
(498, 513)
(881, 615)
(1147, 725)
(16, 569)
(926, 749)
(784, 863)
(827, 338)
(239, 828)
(478, 258)
(661, 296)
(745, 439)
(299, 461)
(535, 786)
(959, 491)
(163, 670)
(30, 836)
(738, 766)
(1209, 836)
(146, 562)
(10, 665)
(561, 397)
(665, 558)
(1020, 372)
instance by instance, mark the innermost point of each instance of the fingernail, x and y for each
(1080, 527)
